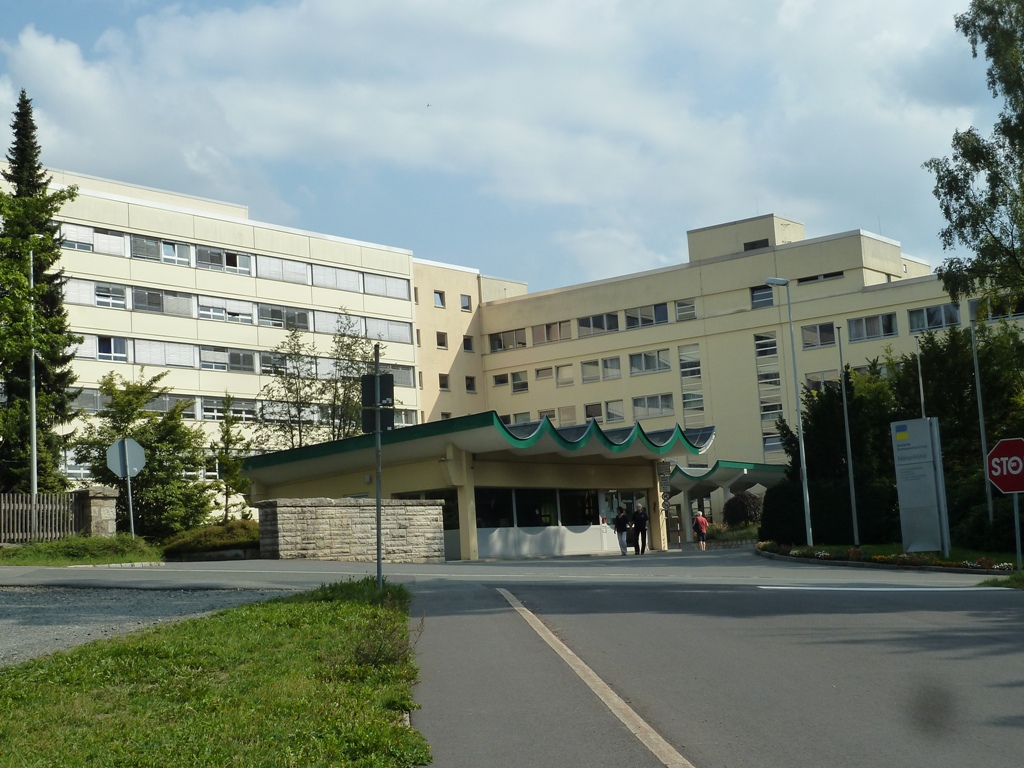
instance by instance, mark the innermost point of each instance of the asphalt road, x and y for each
(735, 660)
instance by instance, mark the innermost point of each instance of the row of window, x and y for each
(883, 325)
(117, 349)
(465, 300)
(764, 295)
(197, 407)
(178, 304)
(609, 411)
(592, 325)
(604, 369)
(82, 238)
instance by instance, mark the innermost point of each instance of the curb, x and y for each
(883, 566)
(119, 565)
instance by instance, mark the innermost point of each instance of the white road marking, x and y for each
(885, 589)
(650, 738)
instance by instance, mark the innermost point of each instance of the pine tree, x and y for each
(30, 231)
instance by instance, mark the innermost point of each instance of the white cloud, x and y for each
(601, 253)
(667, 116)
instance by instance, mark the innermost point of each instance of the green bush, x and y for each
(831, 521)
(976, 532)
(722, 532)
(782, 517)
(742, 508)
(234, 534)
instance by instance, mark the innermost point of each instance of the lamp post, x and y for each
(849, 447)
(33, 445)
(778, 281)
(981, 421)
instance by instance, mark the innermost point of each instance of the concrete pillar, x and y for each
(98, 511)
(686, 514)
(658, 538)
(457, 467)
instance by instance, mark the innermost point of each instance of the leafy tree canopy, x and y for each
(170, 494)
(979, 188)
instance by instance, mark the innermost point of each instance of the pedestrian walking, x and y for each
(622, 528)
(700, 530)
(640, 520)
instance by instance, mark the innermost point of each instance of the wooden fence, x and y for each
(57, 513)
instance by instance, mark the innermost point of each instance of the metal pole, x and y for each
(799, 423)
(981, 422)
(920, 376)
(849, 449)
(33, 445)
(128, 477)
(376, 441)
(799, 409)
(1016, 526)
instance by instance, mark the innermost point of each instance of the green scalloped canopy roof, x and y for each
(735, 475)
(480, 433)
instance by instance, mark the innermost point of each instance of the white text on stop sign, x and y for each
(1005, 465)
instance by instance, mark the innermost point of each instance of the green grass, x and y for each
(82, 550)
(322, 678)
(1014, 581)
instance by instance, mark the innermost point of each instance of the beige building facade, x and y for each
(699, 344)
(159, 282)
(168, 282)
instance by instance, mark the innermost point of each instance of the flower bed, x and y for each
(854, 554)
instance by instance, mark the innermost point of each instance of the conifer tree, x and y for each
(170, 494)
(31, 233)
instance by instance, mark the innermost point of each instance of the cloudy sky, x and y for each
(551, 141)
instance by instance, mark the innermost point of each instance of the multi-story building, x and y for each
(197, 288)
(698, 344)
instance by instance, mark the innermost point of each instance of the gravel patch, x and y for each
(36, 621)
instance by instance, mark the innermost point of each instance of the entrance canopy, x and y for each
(509, 489)
(487, 438)
(735, 475)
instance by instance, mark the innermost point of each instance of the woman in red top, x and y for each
(700, 529)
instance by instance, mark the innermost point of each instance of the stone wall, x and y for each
(346, 529)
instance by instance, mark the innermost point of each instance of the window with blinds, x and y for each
(219, 260)
(80, 292)
(108, 241)
(272, 268)
(76, 237)
(225, 310)
(384, 285)
(337, 278)
(388, 330)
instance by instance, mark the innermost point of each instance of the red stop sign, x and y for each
(1005, 465)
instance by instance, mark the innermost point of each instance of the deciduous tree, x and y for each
(170, 494)
(351, 356)
(979, 188)
(288, 414)
(229, 450)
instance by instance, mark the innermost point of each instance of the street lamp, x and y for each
(799, 410)
(849, 447)
(33, 440)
